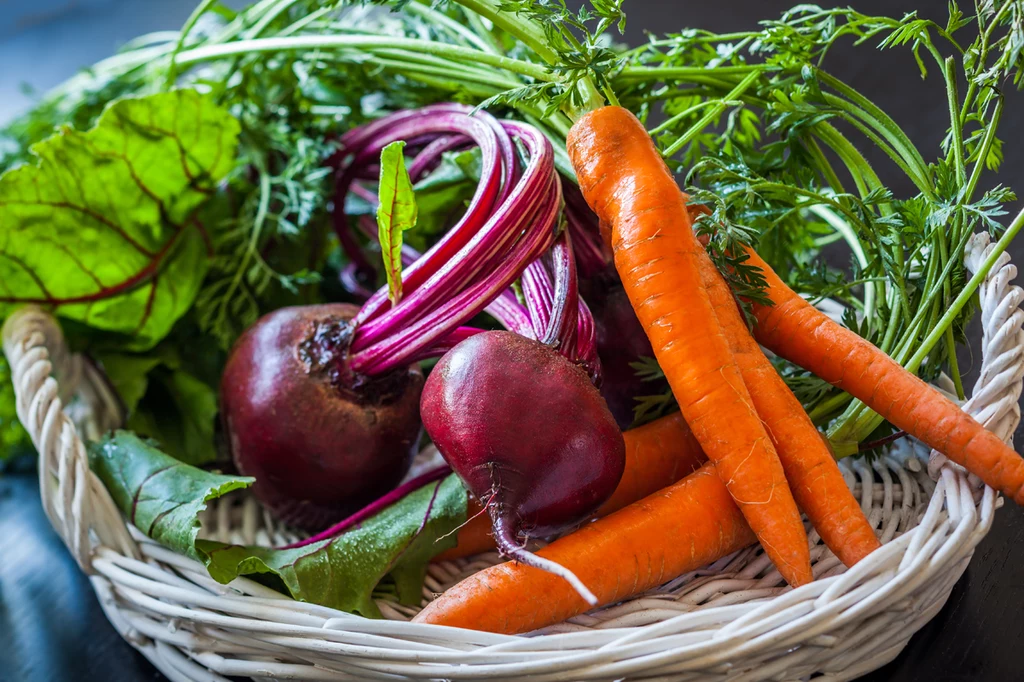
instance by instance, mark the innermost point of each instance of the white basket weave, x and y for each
(732, 621)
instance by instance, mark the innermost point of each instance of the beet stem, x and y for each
(586, 344)
(891, 438)
(408, 341)
(431, 156)
(477, 255)
(445, 344)
(350, 280)
(591, 253)
(475, 217)
(538, 294)
(374, 507)
(510, 202)
(563, 325)
(506, 308)
(505, 538)
(348, 243)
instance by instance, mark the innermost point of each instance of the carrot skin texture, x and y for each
(797, 331)
(629, 187)
(679, 529)
(657, 455)
(814, 477)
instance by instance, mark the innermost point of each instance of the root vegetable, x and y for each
(626, 182)
(528, 434)
(657, 455)
(321, 443)
(678, 529)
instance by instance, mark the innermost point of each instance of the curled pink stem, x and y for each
(503, 235)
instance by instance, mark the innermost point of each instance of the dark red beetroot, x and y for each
(621, 340)
(528, 434)
(320, 443)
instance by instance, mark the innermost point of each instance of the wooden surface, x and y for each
(50, 624)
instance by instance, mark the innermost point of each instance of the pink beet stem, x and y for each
(456, 278)
(562, 326)
(374, 507)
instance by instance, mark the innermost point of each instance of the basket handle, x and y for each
(74, 499)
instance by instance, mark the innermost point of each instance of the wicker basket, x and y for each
(734, 620)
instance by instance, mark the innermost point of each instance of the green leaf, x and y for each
(456, 169)
(396, 213)
(166, 402)
(343, 571)
(440, 208)
(129, 375)
(103, 226)
(163, 498)
(180, 412)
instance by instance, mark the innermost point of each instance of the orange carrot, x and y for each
(676, 530)
(626, 183)
(814, 476)
(473, 538)
(805, 336)
(657, 455)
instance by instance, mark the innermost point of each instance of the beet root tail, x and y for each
(509, 547)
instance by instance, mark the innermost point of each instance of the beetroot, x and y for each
(620, 341)
(528, 434)
(320, 441)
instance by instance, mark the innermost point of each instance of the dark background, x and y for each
(51, 627)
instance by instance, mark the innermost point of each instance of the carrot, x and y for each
(812, 472)
(681, 528)
(473, 538)
(805, 336)
(657, 455)
(626, 183)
